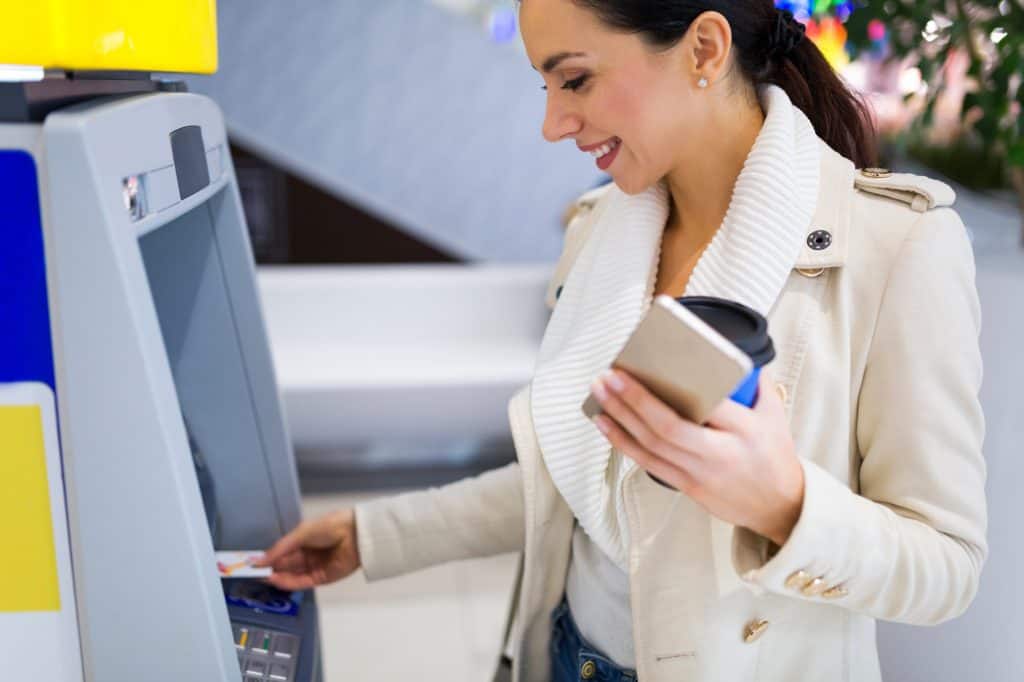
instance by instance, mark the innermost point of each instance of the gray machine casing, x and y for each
(154, 319)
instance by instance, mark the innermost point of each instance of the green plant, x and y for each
(991, 35)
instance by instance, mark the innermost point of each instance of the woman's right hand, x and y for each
(316, 552)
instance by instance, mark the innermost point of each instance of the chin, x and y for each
(632, 185)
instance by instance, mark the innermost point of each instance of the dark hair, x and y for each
(839, 116)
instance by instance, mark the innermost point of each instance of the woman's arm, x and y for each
(910, 547)
(475, 517)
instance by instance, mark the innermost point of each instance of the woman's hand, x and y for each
(741, 467)
(315, 552)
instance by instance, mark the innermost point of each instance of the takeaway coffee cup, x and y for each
(745, 327)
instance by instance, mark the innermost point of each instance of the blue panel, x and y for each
(26, 351)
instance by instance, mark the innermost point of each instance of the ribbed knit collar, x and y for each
(611, 287)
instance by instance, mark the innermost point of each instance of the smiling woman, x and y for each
(852, 490)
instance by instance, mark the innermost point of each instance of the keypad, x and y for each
(265, 655)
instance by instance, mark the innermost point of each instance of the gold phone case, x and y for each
(680, 359)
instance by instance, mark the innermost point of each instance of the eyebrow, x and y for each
(554, 60)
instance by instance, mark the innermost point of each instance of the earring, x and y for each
(703, 82)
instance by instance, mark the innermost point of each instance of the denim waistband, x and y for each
(573, 659)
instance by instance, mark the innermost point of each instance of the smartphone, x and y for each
(680, 359)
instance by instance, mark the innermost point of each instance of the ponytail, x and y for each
(770, 48)
(795, 64)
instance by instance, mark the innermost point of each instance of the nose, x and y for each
(559, 122)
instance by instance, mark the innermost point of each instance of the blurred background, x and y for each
(406, 213)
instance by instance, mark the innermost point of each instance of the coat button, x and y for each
(814, 588)
(587, 670)
(810, 272)
(753, 630)
(797, 580)
(558, 291)
(835, 592)
(819, 240)
(876, 172)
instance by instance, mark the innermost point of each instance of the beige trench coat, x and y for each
(878, 360)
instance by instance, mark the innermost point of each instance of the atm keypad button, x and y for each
(259, 642)
(254, 667)
(241, 637)
(285, 646)
(278, 671)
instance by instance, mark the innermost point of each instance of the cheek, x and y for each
(641, 117)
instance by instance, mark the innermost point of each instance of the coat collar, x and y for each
(831, 213)
(610, 288)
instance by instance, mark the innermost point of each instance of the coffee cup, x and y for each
(746, 328)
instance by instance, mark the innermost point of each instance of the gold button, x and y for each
(754, 630)
(797, 580)
(810, 272)
(587, 670)
(814, 588)
(835, 592)
(876, 172)
(781, 390)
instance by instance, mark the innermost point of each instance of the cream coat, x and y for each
(877, 340)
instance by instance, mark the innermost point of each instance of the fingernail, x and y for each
(601, 423)
(613, 380)
(599, 390)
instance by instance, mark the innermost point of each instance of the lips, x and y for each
(592, 147)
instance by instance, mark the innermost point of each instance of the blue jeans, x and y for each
(573, 659)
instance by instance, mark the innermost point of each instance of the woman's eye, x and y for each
(575, 83)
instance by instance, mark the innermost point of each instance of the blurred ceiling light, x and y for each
(16, 73)
(499, 18)
(931, 31)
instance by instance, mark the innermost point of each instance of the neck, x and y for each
(702, 185)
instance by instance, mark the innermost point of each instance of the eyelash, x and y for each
(574, 84)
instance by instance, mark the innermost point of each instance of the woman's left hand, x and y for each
(741, 467)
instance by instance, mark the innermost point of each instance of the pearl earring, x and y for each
(703, 82)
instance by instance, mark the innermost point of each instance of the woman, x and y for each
(852, 491)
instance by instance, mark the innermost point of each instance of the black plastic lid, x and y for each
(745, 327)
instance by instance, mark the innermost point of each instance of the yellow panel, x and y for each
(110, 35)
(28, 571)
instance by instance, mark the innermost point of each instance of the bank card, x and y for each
(238, 564)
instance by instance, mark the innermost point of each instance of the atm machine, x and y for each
(140, 422)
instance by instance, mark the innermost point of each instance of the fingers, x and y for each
(657, 415)
(286, 545)
(628, 420)
(730, 416)
(291, 563)
(664, 469)
(291, 582)
(654, 424)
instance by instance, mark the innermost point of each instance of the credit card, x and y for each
(238, 564)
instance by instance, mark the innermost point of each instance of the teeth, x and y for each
(604, 149)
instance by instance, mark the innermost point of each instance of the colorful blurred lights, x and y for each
(876, 30)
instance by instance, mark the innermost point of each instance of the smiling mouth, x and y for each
(606, 148)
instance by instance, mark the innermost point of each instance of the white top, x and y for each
(598, 594)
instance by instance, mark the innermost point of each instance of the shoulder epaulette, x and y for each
(917, 191)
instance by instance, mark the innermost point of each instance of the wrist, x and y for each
(789, 513)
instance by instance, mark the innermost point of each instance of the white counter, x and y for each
(408, 360)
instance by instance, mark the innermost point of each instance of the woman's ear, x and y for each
(710, 38)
